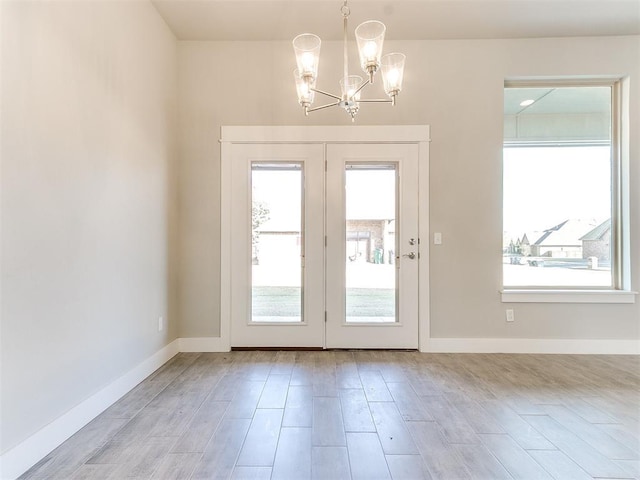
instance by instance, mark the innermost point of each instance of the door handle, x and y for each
(411, 255)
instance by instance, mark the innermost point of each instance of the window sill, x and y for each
(568, 296)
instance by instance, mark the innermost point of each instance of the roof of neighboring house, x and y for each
(598, 232)
(569, 232)
(529, 237)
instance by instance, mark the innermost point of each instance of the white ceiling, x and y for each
(405, 19)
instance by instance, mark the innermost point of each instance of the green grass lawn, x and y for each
(286, 302)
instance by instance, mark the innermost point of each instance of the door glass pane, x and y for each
(371, 193)
(276, 242)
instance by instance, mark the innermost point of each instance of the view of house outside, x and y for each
(557, 216)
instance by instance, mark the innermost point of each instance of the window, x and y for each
(561, 215)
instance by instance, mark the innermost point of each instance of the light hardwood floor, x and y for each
(366, 415)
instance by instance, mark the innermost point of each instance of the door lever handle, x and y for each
(411, 255)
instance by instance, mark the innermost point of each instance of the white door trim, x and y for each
(419, 134)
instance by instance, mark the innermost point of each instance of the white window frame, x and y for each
(621, 291)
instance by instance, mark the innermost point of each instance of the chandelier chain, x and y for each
(345, 9)
(345, 59)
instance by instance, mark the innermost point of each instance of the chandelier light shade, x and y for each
(370, 37)
(304, 89)
(307, 49)
(370, 40)
(392, 71)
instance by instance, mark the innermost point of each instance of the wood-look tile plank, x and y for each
(392, 432)
(177, 466)
(559, 465)
(421, 382)
(443, 461)
(632, 467)
(226, 388)
(476, 416)
(589, 412)
(176, 414)
(374, 386)
(347, 371)
(393, 366)
(623, 434)
(220, 456)
(145, 459)
(258, 365)
(293, 455)
(574, 447)
(201, 429)
(259, 447)
(355, 411)
(407, 467)
(245, 400)
(85, 472)
(85, 444)
(481, 464)
(328, 425)
(366, 459)
(330, 463)
(324, 376)
(95, 434)
(274, 393)
(89, 471)
(512, 423)
(134, 401)
(173, 368)
(597, 438)
(455, 428)
(513, 457)
(118, 449)
(409, 404)
(302, 373)
(298, 409)
(283, 363)
(251, 473)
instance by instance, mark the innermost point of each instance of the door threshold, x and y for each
(268, 349)
(319, 349)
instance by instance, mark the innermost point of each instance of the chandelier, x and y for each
(369, 37)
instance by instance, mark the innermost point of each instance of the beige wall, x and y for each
(457, 88)
(88, 105)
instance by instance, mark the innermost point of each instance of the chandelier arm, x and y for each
(364, 84)
(323, 106)
(327, 94)
(376, 100)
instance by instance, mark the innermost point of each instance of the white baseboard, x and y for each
(19, 459)
(204, 344)
(532, 345)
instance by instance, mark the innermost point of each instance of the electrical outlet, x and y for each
(510, 315)
(160, 324)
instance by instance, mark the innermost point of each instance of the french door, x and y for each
(372, 246)
(324, 245)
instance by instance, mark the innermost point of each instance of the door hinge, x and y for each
(325, 317)
(325, 240)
